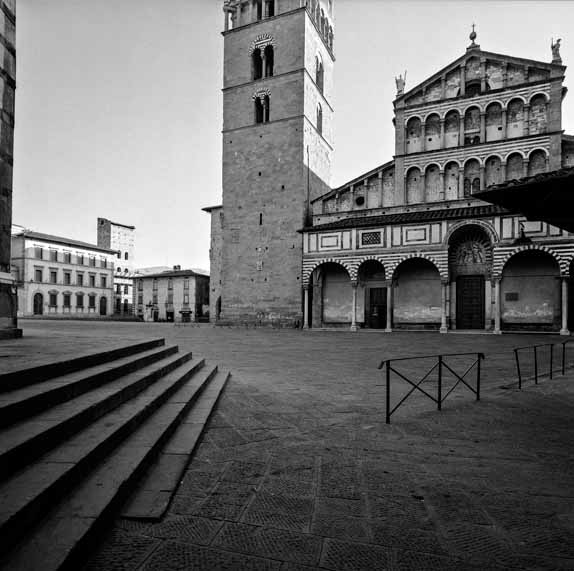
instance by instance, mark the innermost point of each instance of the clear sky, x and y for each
(119, 108)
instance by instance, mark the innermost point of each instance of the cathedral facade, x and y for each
(406, 245)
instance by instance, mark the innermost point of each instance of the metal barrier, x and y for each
(535, 349)
(440, 366)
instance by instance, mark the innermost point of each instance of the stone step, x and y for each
(154, 493)
(31, 399)
(17, 379)
(21, 443)
(60, 539)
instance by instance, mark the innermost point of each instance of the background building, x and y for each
(121, 238)
(175, 295)
(8, 303)
(59, 277)
(408, 245)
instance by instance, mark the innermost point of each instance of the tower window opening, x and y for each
(270, 8)
(319, 119)
(269, 60)
(258, 110)
(266, 105)
(319, 74)
(257, 64)
(260, 218)
(259, 9)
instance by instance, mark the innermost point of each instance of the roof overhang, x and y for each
(548, 197)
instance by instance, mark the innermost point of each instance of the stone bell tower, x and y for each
(277, 147)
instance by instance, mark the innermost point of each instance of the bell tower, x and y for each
(277, 148)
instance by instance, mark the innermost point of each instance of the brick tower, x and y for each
(277, 147)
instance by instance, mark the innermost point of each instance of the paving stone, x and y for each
(341, 527)
(344, 555)
(121, 552)
(401, 510)
(214, 507)
(407, 538)
(193, 529)
(233, 492)
(279, 544)
(279, 520)
(282, 503)
(180, 557)
(244, 472)
(341, 506)
(186, 505)
(408, 560)
(288, 487)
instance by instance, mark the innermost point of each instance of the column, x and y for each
(503, 168)
(263, 63)
(442, 133)
(405, 191)
(442, 189)
(547, 163)
(443, 87)
(504, 75)
(504, 123)
(483, 76)
(526, 122)
(481, 171)
(482, 127)
(423, 187)
(461, 131)
(352, 193)
(497, 306)
(564, 330)
(389, 326)
(443, 327)
(250, 15)
(462, 80)
(354, 313)
(306, 307)
(381, 191)
(423, 137)
(461, 182)
(524, 167)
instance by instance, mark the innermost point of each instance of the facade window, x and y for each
(118, 269)
(256, 64)
(92, 301)
(140, 285)
(38, 275)
(125, 256)
(67, 300)
(319, 119)
(258, 9)
(67, 278)
(262, 109)
(93, 262)
(68, 257)
(54, 276)
(186, 283)
(126, 288)
(319, 74)
(80, 279)
(80, 259)
(118, 288)
(186, 299)
(170, 283)
(154, 287)
(80, 300)
(170, 298)
(53, 299)
(104, 263)
(38, 252)
(119, 255)
(154, 298)
(103, 281)
(92, 280)
(140, 299)
(54, 255)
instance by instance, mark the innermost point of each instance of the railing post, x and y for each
(563, 357)
(551, 355)
(388, 375)
(518, 369)
(535, 366)
(479, 357)
(439, 382)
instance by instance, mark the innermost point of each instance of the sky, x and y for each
(119, 107)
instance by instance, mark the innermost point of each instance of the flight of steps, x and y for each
(84, 440)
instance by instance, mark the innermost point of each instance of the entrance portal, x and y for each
(377, 309)
(38, 304)
(470, 302)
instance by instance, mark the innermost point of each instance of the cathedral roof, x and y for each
(410, 217)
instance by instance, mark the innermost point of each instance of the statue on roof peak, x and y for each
(555, 47)
(400, 81)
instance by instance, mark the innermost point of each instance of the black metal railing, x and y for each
(539, 367)
(441, 366)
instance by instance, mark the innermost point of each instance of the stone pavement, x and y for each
(298, 470)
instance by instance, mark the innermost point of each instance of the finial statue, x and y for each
(555, 47)
(472, 36)
(400, 81)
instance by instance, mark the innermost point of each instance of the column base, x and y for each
(354, 328)
(497, 332)
(443, 329)
(564, 332)
(388, 330)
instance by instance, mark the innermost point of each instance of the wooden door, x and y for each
(38, 304)
(377, 308)
(470, 302)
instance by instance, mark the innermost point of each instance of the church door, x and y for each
(470, 302)
(377, 316)
(38, 304)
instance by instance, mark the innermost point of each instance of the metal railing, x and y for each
(441, 366)
(539, 369)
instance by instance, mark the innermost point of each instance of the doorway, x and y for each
(376, 317)
(470, 302)
(103, 305)
(38, 304)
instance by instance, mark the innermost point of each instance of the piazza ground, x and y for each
(298, 469)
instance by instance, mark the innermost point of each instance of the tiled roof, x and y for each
(544, 177)
(65, 241)
(410, 217)
(172, 274)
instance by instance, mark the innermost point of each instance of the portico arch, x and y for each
(330, 296)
